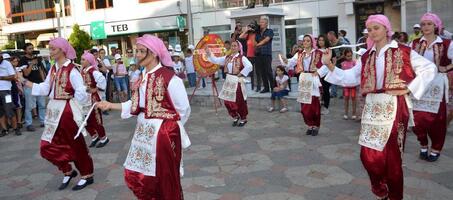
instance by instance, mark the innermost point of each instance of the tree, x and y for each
(80, 40)
(9, 45)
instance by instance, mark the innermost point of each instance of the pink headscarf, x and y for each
(64, 45)
(380, 19)
(434, 18)
(90, 58)
(155, 45)
(313, 41)
(241, 52)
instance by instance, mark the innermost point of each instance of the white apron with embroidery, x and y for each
(306, 84)
(228, 92)
(142, 153)
(54, 112)
(431, 99)
(378, 117)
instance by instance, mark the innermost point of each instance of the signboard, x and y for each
(277, 39)
(181, 23)
(97, 30)
(215, 44)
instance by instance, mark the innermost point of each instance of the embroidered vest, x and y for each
(237, 65)
(63, 89)
(315, 62)
(440, 50)
(398, 72)
(158, 103)
(88, 78)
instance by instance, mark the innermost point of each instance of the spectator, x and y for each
(322, 44)
(34, 72)
(237, 31)
(342, 34)
(119, 71)
(281, 90)
(190, 69)
(349, 92)
(129, 58)
(249, 37)
(445, 34)
(178, 65)
(263, 53)
(134, 74)
(17, 91)
(334, 41)
(417, 33)
(7, 74)
(103, 62)
(403, 38)
(363, 39)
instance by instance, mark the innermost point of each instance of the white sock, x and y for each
(93, 139)
(81, 182)
(423, 150)
(434, 154)
(66, 179)
(102, 141)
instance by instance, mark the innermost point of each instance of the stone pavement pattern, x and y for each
(269, 159)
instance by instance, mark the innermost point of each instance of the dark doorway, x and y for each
(328, 24)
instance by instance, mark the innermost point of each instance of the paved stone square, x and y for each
(270, 158)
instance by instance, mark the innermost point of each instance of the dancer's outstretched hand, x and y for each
(103, 105)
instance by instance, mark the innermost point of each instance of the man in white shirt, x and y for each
(7, 74)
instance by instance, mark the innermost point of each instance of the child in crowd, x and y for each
(281, 90)
(349, 93)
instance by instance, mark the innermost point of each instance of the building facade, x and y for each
(412, 10)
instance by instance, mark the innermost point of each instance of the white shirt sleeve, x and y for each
(179, 98)
(346, 78)
(80, 90)
(10, 69)
(42, 89)
(126, 109)
(217, 60)
(323, 71)
(425, 72)
(101, 82)
(248, 67)
(107, 62)
(291, 62)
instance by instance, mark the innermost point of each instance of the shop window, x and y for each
(294, 28)
(98, 4)
(32, 10)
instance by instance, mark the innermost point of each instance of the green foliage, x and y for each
(80, 40)
(9, 45)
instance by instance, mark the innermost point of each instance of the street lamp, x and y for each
(57, 12)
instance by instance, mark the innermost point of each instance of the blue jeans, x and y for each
(192, 79)
(120, 84)
(278, 95)
(30, 103)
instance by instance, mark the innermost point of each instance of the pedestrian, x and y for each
(190, 69)
(7, 74)
(153, 164)
(263, 51)
(120, 72)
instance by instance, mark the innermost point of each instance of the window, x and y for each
(98, 4)
(443, 9)
(32, 10)
(224, 31)
(229, 3)
(294, 28)
(414, 10)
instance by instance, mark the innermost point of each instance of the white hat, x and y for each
(300, 38)
(191, 47)
(117, 56)
(416, 26)
(170, 47)
(178, 48)
(132, 62)
(177, 54)
(6, 56)
(365, 31)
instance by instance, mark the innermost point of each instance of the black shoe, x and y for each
(3, 133)
(102, 144)
(94, 142)
(42, 125)
(315, 132)
(264, 91)
(89, 181)
(309, 132)
(30, 128)
(64, 185)
(235, 122)
(423, 155)
(242, 123)
(433, 158)
(17, 131)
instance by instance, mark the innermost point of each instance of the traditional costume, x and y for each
(234, 91)
(154, 161)
(430, 112)
(65, 87)
(306, 64)
(385, 117)
(95, 83)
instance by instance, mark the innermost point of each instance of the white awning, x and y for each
(46, 37)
